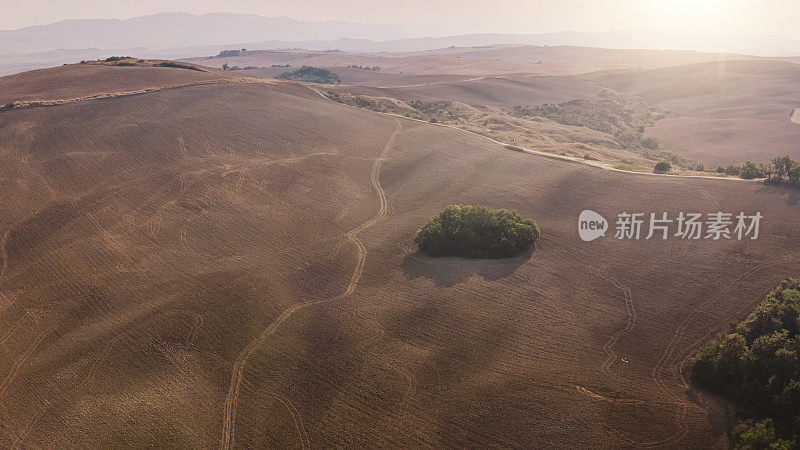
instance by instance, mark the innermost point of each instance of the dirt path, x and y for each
(14, 105)
(599, 165)
(229, 419)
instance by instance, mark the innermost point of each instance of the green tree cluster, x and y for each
(785, 169)
(662, 167)
(312, 75)
(360, 67)
(757, 366)
(477, 232)
(782, 169)
(748, 170)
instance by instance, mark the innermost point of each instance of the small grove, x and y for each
(477, 232)
(312, 75)
(756, 365)
(780, 170)
(784, 169)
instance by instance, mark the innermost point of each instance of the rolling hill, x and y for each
(76, 81)
(487, 60)
(232, 264)
(729, 111)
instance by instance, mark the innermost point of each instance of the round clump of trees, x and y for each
(477, 232)
(663, 167)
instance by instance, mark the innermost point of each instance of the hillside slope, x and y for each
(83, 80)
(233, 264)
(729, 111)
(488, 60)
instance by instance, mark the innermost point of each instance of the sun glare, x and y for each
(698, 15)
(689, 7)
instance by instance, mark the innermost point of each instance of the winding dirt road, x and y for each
(229, 420)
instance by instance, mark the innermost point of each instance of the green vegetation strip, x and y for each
(632, 167)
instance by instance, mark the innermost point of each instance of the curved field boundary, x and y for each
(598, 165)
(15, 105)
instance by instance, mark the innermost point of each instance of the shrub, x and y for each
(751, 170)
(794, 172)
(758, 435)
(651, 143)
(733, 170)
(613, 115)
(477, 232)
(663, 167)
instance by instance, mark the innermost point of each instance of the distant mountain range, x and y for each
(174, 30)
(179, 35)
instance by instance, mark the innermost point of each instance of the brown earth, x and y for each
(722, 113)
(501, 91)
(486, 106)
(479, 61)
(586, 59)
(729, 111)
(389, 63)
(361, 77)
(233, 264)
(728, 108)
(82, 80)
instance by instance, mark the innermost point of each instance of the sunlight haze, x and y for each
(726, 17)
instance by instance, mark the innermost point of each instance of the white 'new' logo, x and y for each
(591, 225)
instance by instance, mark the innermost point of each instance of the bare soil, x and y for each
(233, 265)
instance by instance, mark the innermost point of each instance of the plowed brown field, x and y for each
(233, 265)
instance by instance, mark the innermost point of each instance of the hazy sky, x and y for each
(739, 17)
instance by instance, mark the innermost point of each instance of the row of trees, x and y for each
(229, 53)
(782, 169)
(748, 170)
(227, 67)
(757, 366)
(372, 68)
